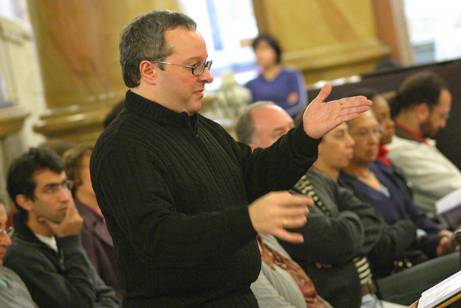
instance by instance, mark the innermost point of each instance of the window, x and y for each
(434, 29)
(228, 28)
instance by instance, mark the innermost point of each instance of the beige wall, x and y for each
(326, 39)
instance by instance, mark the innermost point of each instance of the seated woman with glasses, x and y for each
(378, 185)
(276, 83)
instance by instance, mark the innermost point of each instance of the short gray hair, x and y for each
(144, 39)
(245, 126)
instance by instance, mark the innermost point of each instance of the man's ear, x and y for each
(422, 112)
(24, 202)
(148, 72)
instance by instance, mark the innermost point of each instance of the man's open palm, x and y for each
(320, 117)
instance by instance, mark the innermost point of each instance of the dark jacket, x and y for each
(99, 247)
(352, 231)
(56, 279)
(175, 191)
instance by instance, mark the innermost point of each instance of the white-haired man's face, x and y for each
(270, 123)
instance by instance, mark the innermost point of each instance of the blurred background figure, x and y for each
(275, 82)
(95, 237)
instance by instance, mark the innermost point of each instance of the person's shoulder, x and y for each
(22, 254)
(291, 72)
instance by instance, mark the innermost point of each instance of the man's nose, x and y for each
(207, 76)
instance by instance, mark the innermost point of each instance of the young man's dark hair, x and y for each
(22, 170)
(272, 42)
(422, 87)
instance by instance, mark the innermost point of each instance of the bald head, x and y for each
(262, 124)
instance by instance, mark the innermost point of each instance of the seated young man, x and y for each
(13, 291)
(341, 229)
(46, 251)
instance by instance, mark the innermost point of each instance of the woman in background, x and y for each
(275, 82)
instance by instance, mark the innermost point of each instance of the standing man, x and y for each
(184, 201)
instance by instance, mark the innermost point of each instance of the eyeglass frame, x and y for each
(8, 232)
(206, 65)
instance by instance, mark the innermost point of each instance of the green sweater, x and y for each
(175, 191)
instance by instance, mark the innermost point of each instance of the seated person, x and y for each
(377, 185)
(422, 106)
(46, 251)
(282, 282)
(13, 291)
(96, 239)
(337, 235)
(276, 83)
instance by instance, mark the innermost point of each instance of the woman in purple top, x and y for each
(276, 83)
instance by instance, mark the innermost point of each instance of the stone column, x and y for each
(77, 43)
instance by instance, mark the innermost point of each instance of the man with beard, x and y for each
(423, 104)
(46, 251)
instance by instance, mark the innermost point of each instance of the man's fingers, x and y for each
(294, 222)
(294, 212)
(290, 237)
(355, 101)
(323, 94)
(292, 200)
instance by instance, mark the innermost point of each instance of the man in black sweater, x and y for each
(46, 251)
(183, 201)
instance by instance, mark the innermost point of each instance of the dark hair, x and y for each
(20, 178)
(73, 162)
(144, 39)
(272, 42)
(59, 146)
(419, 88)
(113, 113)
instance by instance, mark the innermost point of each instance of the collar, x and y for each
(158, 113)
(382, 155)
(94, 223)
(407, 133)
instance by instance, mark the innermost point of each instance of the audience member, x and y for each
(96, 240)
(182, 200)
(275, 82)
(422, 106)
(281, 282)
(385, 192)
(13, 291)
(46, 251)
(341, 229)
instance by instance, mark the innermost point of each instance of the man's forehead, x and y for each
(187, 43)
(45, 176)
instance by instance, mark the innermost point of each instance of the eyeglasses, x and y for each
(53, 188)
(8, 232)
(196, 69)
(367, 134)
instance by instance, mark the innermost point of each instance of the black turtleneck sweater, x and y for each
(175, 191)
